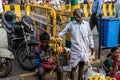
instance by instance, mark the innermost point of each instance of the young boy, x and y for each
(42, 58)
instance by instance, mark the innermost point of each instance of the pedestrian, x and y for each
(85, 1)
(96, 11)
(67, 1)
(81, 40)
(118, 8)
(57, 5)
(89, 1)
(39, 1)
(1, 9)
(80, 1)
(43, 60)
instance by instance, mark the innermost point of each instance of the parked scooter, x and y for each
(5, 55)
(19, 40)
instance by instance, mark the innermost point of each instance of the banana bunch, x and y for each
(108, 78)
(99, 77)
(56, 44)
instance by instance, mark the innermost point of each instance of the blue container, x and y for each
(119, 34)
(102, 31)
(109, 32)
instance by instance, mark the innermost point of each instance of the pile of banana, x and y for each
(99, 77)
(108, 78)
(56, 44)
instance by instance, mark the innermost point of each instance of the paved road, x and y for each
(17, 70)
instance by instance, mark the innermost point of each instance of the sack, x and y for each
(67, 68)
(92, 71)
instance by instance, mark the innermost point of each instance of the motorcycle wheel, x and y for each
(5, 67)
(25, 61)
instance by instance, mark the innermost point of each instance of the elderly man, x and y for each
(81, 41)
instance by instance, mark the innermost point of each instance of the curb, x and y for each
(27, 76)
(33, 76)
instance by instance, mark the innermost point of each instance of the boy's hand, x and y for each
(54, 66)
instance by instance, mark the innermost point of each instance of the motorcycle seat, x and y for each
(17, 25)
(12, 26)
(9, 25)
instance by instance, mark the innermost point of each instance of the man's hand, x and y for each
(92, 51)
(59, 37)
(96, 16)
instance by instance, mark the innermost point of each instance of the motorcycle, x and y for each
(19, 41)
(5, 55)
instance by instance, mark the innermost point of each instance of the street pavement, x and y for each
(17, 70)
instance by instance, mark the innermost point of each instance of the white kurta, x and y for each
(81, 41)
